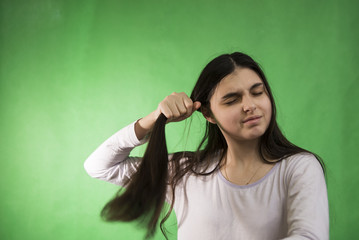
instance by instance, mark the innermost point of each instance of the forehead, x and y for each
(240, 79)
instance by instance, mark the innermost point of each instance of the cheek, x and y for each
(268, 110)
(232, 117)
(227, 117)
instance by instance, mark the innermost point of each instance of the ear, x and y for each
(207, 114)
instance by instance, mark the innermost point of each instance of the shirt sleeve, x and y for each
(110, 161)
(307, 201)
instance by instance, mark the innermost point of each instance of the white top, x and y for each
(289, 202)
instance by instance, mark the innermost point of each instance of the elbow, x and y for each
(89, 170)
(95, 171)
(86, 167)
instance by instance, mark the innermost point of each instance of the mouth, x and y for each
(253, 118)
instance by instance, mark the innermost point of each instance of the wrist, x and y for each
(145, 125)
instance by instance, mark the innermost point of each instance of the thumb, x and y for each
(196, 105)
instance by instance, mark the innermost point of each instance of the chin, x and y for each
(247, 138)
(254, 136)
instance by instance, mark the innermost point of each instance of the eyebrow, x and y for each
(236, 94)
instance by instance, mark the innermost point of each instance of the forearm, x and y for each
(113, 151)
(145, 125)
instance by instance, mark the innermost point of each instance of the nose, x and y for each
(248, 104)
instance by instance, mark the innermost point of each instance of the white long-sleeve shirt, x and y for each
(289, 202)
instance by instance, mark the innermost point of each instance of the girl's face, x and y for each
(240, 106)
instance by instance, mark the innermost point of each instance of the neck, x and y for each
(243, 155)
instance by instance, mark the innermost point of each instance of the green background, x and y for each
(74, 72)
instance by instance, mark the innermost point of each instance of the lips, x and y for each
(251, 118)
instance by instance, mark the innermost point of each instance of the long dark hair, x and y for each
(146, 190)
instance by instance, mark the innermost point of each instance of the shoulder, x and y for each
(302, 165)
(302, 160)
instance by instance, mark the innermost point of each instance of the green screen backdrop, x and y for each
(72, 73)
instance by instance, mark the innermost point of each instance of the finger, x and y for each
(181, 108)
(196, 105)
(188, 105)
(181, 104)
(166, 110)
(172, 106)
(171, 102)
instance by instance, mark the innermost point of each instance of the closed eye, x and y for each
(230, 102)
(257, 93)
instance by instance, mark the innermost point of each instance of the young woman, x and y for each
(245, 181)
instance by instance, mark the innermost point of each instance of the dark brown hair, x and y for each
(146, 190)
